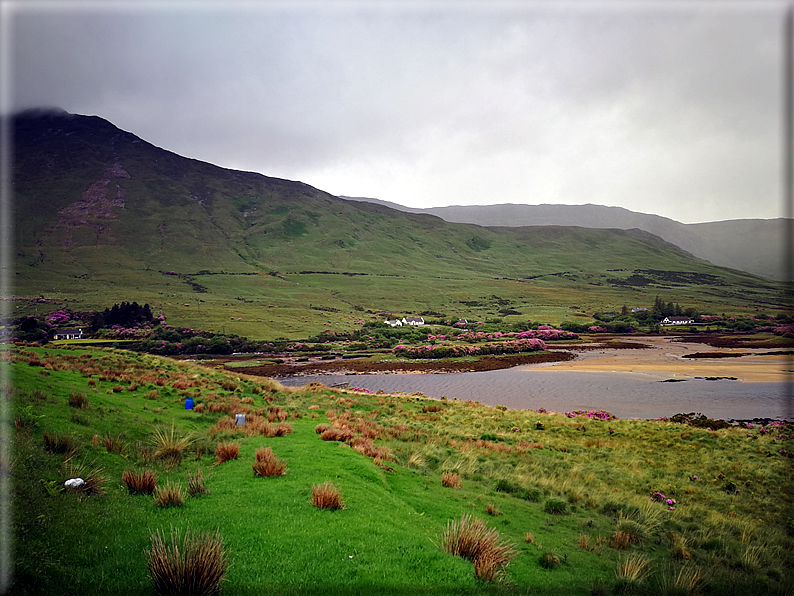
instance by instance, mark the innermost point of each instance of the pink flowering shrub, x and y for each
(599, 414)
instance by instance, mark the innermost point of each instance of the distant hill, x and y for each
(102, 216)
(753, 245)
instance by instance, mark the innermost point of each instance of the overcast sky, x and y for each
(674, 109)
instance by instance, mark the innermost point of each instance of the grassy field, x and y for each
(572, 494)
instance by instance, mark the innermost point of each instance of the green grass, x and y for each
(386, 537)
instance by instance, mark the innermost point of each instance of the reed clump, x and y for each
(193, 564)
(226, 452)
(141, 482)
(267, 464)
(451, 480)
(327, 496)
(473, 540)
(169, 495)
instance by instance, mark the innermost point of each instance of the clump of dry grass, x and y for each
(529, 537)
(473, 540)
(631, 572)
(196, 485)
(337, 434)
(55, 443)
(267, 464)
(115, 444)
(169, 496)
(78, 400)
(549, 560)
(140, 482)
(451, 480)
(281, 430)
(491, 509)
(226, 451)
(327, 496)
(190, 565)
(679, 545)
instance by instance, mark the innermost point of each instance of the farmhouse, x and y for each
(394, 322)
(413, 321)
(677, 321)
(68, 334)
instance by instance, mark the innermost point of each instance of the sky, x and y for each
(674, 109)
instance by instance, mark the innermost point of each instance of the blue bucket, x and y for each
(189, 403)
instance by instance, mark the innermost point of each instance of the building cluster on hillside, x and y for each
(405, 321)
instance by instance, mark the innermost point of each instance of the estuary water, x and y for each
(626, 395)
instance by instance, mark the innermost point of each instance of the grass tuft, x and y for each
(193, 565)
(226, 452)
(451, 480)
(196, 485)
(267, 464)
(471, 539)
(327, 496)
(169, 496)
(631, 572)
(549, 560)
(141, 482)
(169, 446)
(93, 478)
(78, 400)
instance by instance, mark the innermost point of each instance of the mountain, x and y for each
(753, 245)
(102, 216)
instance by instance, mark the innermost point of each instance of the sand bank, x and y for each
(665, 358)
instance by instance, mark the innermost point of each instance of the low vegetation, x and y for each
(626, 506)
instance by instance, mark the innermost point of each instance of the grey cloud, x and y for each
(657, 110)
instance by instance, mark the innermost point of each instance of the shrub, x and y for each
(549, 560)
(142, 482)
(555, 507)
(195, 484)
(267, 464)
(451, 480)
(505, 486)
(473, 540)
(327, 496)
(226, 451)
(533, 495)
(192, 565)
(78, 400)
(169, 496)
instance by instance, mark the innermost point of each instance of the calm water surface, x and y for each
(626, 395)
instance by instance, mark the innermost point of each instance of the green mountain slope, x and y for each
(103, 216)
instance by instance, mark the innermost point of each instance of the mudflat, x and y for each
(675, 359)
